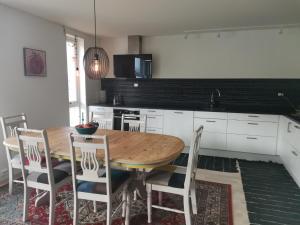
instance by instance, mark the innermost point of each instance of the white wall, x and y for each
(114, 46)
(43, 99)
(242, 54)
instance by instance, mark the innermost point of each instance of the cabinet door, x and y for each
(213, 141)
(179, 124)
(154, 121)
(211, 125)
(251, 144)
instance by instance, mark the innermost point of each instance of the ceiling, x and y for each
(161, 17)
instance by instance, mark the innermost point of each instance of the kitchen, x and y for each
(196, 107)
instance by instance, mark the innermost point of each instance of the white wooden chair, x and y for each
(105, 120)
(33, 146)
(91, 185)
(13, 159)
(177, 180)
(136, 123)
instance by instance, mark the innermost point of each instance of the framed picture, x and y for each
(35, 62)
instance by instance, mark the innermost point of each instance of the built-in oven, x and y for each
(118, 117)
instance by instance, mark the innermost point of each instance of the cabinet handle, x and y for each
(151, 130)
(151, 117)
(253, 123)
(297, 127)
(178, 112)
(151, 111)
(253, 116)
(211, 121)
(289, 127)
(295, 153)
(251, 138)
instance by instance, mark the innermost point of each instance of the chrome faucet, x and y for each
(212, 97)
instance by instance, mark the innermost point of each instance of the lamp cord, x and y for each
(95, 23)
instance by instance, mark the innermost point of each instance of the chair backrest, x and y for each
(193, 158)
(105, 120)
(88, 149)
(33, 145)
(9, 124)
(136, 123)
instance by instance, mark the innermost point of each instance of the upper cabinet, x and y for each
(180, 124)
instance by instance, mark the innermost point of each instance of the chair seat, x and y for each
(60, 172)
(118, 178)
(171, 179)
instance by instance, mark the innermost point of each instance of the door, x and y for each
(73, 60)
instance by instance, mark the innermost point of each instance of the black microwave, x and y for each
(133, 66)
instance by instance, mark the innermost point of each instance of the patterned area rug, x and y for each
(214, 208)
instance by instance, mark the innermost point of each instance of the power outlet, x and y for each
(136, 85)
(280, 94)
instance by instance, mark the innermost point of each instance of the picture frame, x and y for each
(34, 62)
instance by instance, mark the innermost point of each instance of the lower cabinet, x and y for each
(179, 124)
(291, 160)
(154, 130)
(213, 141)
(251, 144)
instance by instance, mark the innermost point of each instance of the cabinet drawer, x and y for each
(156, 112)
(100, 109)
(253, 117)
(211, 125)
(154, 121)
(213, 141)
(253, 128)
(210, 115)
(251, 144)
(154, 130)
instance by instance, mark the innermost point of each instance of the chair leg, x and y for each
(187, 210)
(52, 208)
(108, 213)
(10, 179)
(134, 195)
(194, 199)
(95, 206)
(26, 203)
(124, 203)
(75, 212)
(128, 205)
(149, 202)
(160, 198)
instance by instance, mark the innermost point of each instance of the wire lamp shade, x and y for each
(96, 63)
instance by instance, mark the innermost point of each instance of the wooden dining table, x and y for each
(132, 150)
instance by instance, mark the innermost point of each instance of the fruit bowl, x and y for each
(86, 129)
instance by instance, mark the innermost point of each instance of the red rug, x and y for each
(214, 208)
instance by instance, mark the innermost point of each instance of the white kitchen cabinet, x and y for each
(154, 130)
(288, 147)
(251, 144)
(105, 112)
(154, 121)
(253, 117)
(211, 125)
(179, 124)
(211, 115)
(211, 140)
(269, 129)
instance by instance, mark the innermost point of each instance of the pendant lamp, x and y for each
(95, 60)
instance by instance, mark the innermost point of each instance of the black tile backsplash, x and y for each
(236, 94)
